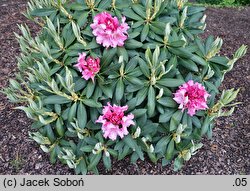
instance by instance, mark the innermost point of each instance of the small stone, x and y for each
(38, 166)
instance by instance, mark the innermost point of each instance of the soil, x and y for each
(226, 153)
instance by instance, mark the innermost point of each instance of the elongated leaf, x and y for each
(139, 112)
(164, 118)
(91, 103)
(139, 9)
(131, 143)
(95, 160)
(141, 95)
(162, 143)
(55, 99)
(175, 120)
(43, 12)
(131, 14)
(181, 52)
(170, 150)
(188, 64)
(106, 161)
(167, 101)
(133, 44)
(59, 128)
(72, 112)
(144, 67)
(199, 60)
(108, 56)
(144, 32)
(81, 115)
(119, 92)
(170, 82)
(151, 101)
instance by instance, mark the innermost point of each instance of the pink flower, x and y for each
(191, 96)
(88, 67)
(114, 122)
(108, 30)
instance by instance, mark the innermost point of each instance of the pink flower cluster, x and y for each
(108, 30)
(88, 67)
(114, 122)
(191, 96)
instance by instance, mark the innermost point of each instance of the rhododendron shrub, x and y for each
(109, 79)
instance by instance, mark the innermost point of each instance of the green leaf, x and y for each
(133, 44)
(119, 92)
(81, 116)
(106, 161)
(108, 57)
(123, 52)
(53, 155)
(151, 101)
(152, 157)
(139, 112)
(177, 43)
(170, 82)
(161, 145)
(134, 26)
(92, 45)
(167, 102)
(94, 161)
(72, 112)
(199, 60)
(181, 52)
(59, 127)
(188, 64)
(139, 9)
(134, 80)
(170, 150)
(83, 167)
(87, 148)
(82, 19)
(178, 163)
(77, 6)
(205, 126)
(90, 89)
(144, 67)
(144, 32)
(91, 103)
(196, 121)
(220, 60)
(107, 90)
(134, 158)
(131, 14)
(80, 84)
(50, 133)
(55, 99)
(211, 86)
(131, 143)
(164, 118)
(149, 129)
(104, 4)
(175, 120)
(141, 95)
(43, 12)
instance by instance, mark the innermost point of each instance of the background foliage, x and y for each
(225, 2)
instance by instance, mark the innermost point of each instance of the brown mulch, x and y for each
(227, 152)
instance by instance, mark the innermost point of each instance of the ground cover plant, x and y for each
(107, 79)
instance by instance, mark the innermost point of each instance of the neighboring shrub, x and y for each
(225, 2)
(216, 2)
(243, 2)
(115, 78)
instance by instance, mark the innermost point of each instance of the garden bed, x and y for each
(227, 153)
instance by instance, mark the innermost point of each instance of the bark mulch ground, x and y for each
(227, 152)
